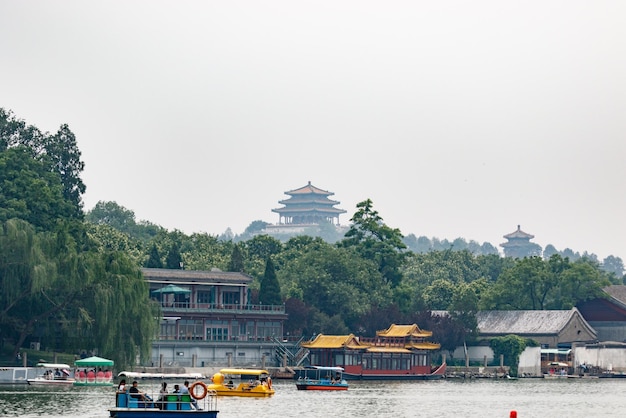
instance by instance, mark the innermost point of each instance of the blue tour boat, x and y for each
(172, 405)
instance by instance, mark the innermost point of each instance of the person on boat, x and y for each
(142, 399)
(185, 391)
(176, 389)
(162, 395)
(122, 386)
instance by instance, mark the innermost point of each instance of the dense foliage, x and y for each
(75, 284)
(70, 285)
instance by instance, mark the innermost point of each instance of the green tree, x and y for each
(527, 285)
(174, 260)
(464, 307)
(26, 274)
(58, 153)
(438, 295)
(376, 241)
(118, 315)
(510, 347)
(236, 260)
(29, 191)
(335, 281)
(269, 293)
(114, 215)
(63, 154)
(613, 265)
(154, 258)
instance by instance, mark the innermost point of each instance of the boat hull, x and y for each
(247, 393)
(158, 413)
(50, 382)
(313, 386)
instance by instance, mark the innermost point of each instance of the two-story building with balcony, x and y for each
(208, 320)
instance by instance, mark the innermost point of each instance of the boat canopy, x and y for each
(245, 372)
(94, 361)
(53, 365)
(555, 351)
(141, 375)
(325, 368)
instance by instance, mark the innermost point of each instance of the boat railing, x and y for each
(168, 402)
(222, 307)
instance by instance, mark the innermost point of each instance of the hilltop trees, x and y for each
(57, 154)
(376, 241)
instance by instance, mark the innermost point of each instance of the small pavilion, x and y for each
(308, 205)
(518, 245)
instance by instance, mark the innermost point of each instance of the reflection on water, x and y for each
(571, 398)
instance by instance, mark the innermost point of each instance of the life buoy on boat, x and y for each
(203, 390)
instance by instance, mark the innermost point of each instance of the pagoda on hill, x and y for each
(518, 245)
(308, 205)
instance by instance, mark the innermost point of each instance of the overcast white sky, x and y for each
(457, 118)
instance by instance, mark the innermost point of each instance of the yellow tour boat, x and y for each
(250, 383)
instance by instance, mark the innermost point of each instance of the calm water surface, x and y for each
(571, 398)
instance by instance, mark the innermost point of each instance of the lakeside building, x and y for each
(208, 320)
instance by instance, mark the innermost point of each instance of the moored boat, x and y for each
(251, 383)
(172, 405)
(557, 370)
(322, 378)
(400, 352)
(93, 371)
(57, 374)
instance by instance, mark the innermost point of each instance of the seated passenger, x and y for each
(143, 400)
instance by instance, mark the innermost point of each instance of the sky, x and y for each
(456, 118)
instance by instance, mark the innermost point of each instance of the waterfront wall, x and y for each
(213, 354)
(607, 357)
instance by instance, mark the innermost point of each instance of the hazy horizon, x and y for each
(457, 119)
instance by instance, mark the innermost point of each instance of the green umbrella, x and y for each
(172, 289)
(94, 361)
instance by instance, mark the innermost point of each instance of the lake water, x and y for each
(481, 398)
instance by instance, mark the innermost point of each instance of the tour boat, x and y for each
(322, 378)
(400, 352)
(93, 371)
(57, 374)
(252, 383)
(172, 405)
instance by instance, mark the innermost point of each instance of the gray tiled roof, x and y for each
(195, 276)
(617, 292)
(524, 322)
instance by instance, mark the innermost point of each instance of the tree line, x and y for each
(73, 279)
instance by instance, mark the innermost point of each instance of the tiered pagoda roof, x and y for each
(518, 244)
(308, 205)
(397, 338)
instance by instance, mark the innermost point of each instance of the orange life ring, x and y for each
(203, 392)
(269, 382)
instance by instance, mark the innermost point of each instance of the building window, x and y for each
(268, 329)
(230, 298)
(206, 297)
(190, 329)
(217, 331)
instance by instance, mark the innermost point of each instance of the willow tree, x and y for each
(118, 315)
(25, 275)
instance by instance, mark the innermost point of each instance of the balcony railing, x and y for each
(221, 307)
